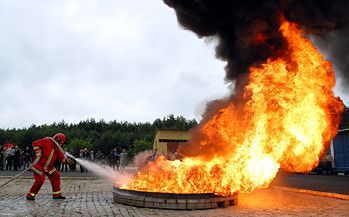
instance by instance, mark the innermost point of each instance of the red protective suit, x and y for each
(47, 152)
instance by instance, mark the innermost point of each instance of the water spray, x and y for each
(117, 177)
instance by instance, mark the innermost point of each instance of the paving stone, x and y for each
(214, 205)
(182, 206)
(172, 206)
(192, 206)
(148, 204)
(181, 201)
(136, 203)
(171, 201)
(131, 197)
(155, 200)
(223, 204)
(94, 198)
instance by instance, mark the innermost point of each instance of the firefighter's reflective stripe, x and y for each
(56, 192)
(32, 194)
(38, 154)
(51, 171)
(48, 160)
(36, 171)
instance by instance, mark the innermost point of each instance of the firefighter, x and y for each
(47, 151)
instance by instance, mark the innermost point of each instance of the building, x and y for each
(340, 152)
(168, 140)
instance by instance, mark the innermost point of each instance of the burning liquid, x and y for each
(286, 118)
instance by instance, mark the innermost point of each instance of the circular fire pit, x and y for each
(172, 201)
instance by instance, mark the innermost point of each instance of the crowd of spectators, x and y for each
(117, 160)
(15, 159)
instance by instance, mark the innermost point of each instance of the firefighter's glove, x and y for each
(70, 161)
(67, 160)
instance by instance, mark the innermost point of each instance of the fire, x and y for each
(285, 119)
(260, 38)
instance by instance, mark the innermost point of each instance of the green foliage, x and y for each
(171, 122)
(99, 135)
(77, 144)
(139, 146)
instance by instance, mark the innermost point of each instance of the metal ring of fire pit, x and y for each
(172, 201)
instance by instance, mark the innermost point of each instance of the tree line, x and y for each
(104, 136)
(99, 135)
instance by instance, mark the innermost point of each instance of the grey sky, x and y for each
(112, 59)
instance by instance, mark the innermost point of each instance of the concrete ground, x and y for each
(30, 174)
(333, 184)
(323, 183)
(93, 197)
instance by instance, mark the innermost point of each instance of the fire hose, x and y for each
(18, 175)
(37, 160)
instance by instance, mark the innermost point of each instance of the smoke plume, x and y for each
(248, 34)
(248, 31)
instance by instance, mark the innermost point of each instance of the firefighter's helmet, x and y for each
(60, 136)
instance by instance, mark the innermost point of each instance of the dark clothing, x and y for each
(16, 159)
(2, 159)
(86, 156)
(9, 162)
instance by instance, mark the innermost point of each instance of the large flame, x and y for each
(286, 118)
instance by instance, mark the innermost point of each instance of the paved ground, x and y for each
(63, 174)
(333, 184)
(94, 198)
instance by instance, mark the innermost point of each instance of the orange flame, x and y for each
(287, 119)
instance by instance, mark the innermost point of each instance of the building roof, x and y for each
(169, 129)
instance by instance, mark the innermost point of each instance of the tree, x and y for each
(77, 144)
(172, 122)
(139, 146)
(3, 138)
(99, 134)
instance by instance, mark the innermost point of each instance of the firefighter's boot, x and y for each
(30, 196)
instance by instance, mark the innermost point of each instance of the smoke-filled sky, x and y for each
(117, 60)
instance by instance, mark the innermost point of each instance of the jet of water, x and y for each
(118, 178)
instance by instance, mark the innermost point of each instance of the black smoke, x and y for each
(335, 45)
(248, 31)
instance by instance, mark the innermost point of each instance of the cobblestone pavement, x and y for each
(94, 198)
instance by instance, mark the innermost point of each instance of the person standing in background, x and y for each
(81, 156)
(123, 156)
(2, 158)
(92, 156)
(16, 158)
(86, 156)
(27, 156)
(10, 152)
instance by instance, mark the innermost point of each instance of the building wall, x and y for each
(340, 151)
(165, 139)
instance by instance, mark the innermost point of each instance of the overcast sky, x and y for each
(124, 60)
